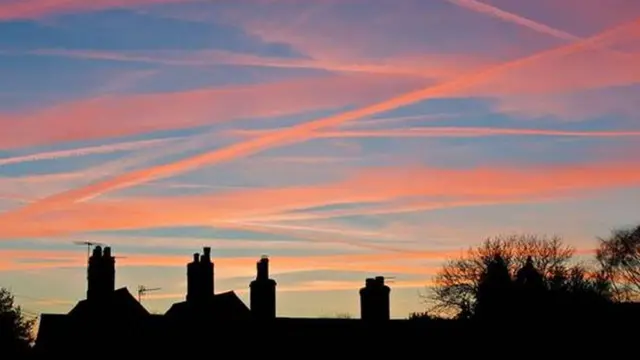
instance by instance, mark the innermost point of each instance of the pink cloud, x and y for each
(427, 66)
(111, 116)
(373, 186)
(454, 132)
(304, 131)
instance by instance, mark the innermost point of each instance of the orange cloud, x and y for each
(446, 187)
(20, 260)
(453, 132)
(307, 130)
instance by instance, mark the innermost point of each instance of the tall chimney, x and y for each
(263, 292)
(193, 278)
(207, 280)
(101, 275)
(93, 274)
(374, 300)
(109, 270)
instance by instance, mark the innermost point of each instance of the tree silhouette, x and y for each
(543, 263)
(619, 256)
(495, 289)
(16, 331)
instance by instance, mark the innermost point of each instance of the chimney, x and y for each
(374, 300)
(200, 277)
(109, 270)
(263, 292)
(207, 280)
(193, 278)
(262, 268)
(101, 275)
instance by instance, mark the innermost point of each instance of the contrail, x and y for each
(91, 150)
(456, 132)
(514, 18)
(507, 16)
(309, 129)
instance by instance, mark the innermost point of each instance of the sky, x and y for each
(343, 138)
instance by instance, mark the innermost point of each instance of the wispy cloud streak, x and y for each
(454, 132)
(307, 130)
(34, 9)
(84, 151)
(372, 186)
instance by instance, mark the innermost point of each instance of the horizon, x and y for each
(343, 139)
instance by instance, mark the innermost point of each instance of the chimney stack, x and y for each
(207, 274)
(374, 300)
(101, 275)
(193, 276)
(263, 292)
(200, 278)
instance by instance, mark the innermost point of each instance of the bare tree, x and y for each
(456, 285)
(619, 257)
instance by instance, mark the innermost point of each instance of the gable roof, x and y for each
(121, 304)
(224, 306)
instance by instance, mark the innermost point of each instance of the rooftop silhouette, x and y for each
(121, 323)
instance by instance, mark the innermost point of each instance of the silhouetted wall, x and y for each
(263, 292)
(101, 274)
(374, 300)
(200, 277)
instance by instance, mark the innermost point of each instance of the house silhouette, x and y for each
(118, 318)
(111, 322)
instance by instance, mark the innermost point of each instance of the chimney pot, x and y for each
(97, 251)
(196, 257)
(263, 268)
(207, 252)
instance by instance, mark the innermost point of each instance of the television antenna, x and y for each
(143, 290)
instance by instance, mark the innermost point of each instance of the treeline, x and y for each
(537, 277)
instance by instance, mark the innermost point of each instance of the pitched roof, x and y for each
(120, 304)
(224, 306)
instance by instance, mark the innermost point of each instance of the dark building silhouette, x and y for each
(201, 301)
(374, 300)
(263, 292)
(101, 274)
(200, 278)
(117, 323)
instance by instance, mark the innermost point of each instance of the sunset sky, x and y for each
(343, 138)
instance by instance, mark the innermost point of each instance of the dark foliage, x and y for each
(507, 271)
(16, 331)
